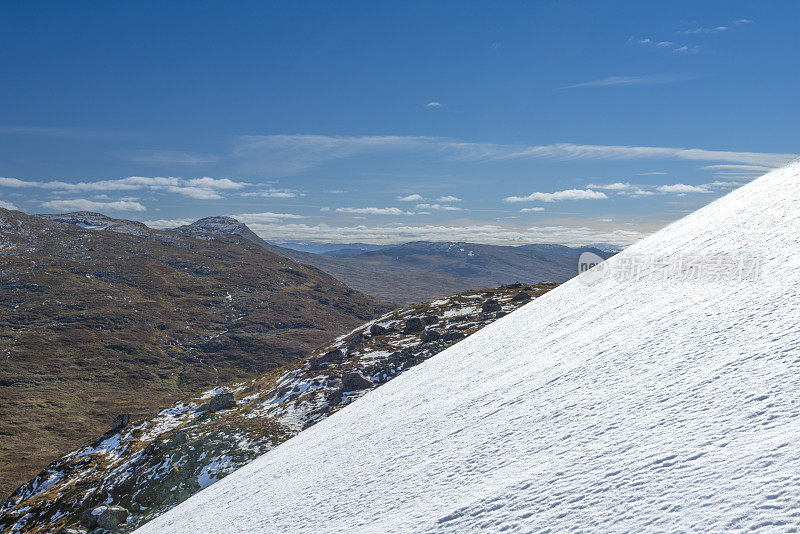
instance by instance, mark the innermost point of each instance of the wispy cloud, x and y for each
(265, 217)
(276, 193)
(7, 205)
(168, 157)
(530, 210)
(727, 167)
(295, 153)
(568, 194)
(375, 211)
(83, 204)
(702, 30)
(648, 79)
(449, 198)
(440, 207)
(682, 188)
(433, 105)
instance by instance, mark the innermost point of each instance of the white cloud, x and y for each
(7, 205)
(529, 210)
(449, 198)
(411, 198)
(634, 80)
(264, 217)
(568, 194)
(214, 183)
(14, 182)
(682, 188)
(375, 211)
(199, 193)
(664, 44)
(743, 21)
(433, 105)
(83, 204)
(616, 186)
(436, 207)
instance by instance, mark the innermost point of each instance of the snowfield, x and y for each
(664, 403)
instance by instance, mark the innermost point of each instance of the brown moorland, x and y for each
(95, 323)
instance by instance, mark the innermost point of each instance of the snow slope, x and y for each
(648, 405)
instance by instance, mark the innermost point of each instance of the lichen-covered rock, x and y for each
(112, 517)
(521, 297)
(430, 319)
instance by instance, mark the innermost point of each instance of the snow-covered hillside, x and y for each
(669, 401)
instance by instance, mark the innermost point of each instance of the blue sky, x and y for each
(571, 122)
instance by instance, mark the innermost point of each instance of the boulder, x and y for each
(430, 319)
(89, 517)
(355, 382)
(70, 530)
(452, 335)
(491, 305)
(355, 341)
(221, 401)
(120, 422)
(112, 517)
(332, 356)
(500, 314)
(430, 335)
(521, 297)
(415, 324)
(377, 330)
(515, 285)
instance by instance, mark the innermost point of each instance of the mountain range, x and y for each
(423, 270)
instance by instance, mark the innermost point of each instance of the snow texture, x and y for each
(660, 404)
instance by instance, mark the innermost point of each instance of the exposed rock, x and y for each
(491, 305)
(222, 401)
(112, 517)
(430, 335)
(70, 530)
(377, 330)
(332, 356)
(355, 341)
(521, 297)
(488, 293)
(120, 422)
(500, 314)
(415, 324)
(518, 285)
(452, 335)
(430, 319)
(355, 382)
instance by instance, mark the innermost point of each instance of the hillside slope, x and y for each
(422, 270)
(151, 466)
(665, 402)
(96, 323)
